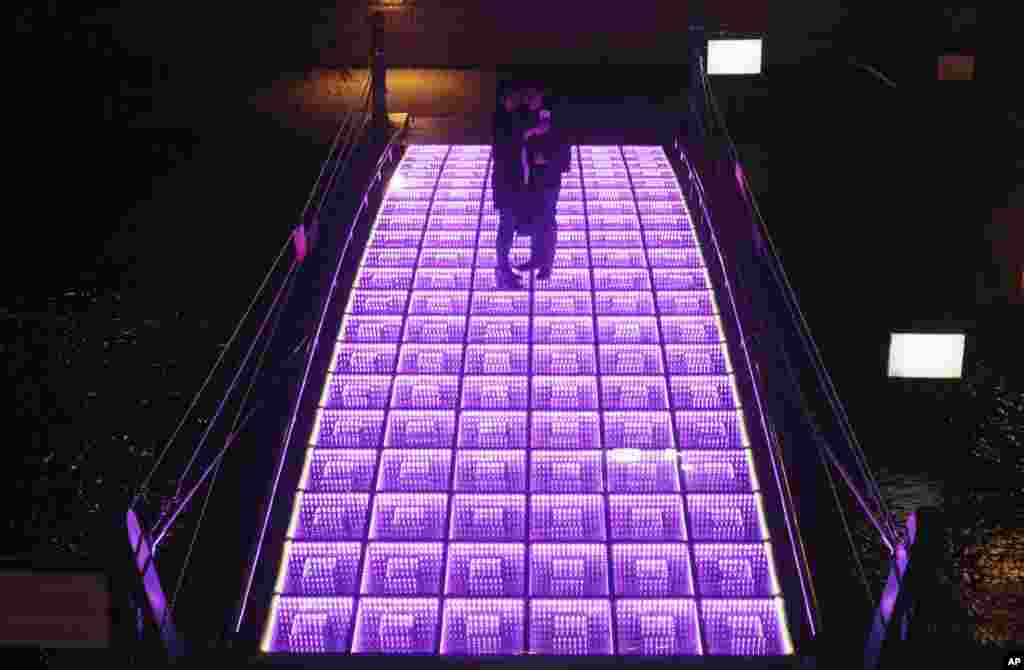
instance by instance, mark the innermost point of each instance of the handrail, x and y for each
(885, 525)
(377, 175)
(349, 133)
(807, 590)
(346, 129)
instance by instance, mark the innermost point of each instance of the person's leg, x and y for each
(503, 245)
(503, 242)
(547, 235)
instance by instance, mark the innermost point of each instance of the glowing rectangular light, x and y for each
(926, 355)
(734, 56)
(562, 469)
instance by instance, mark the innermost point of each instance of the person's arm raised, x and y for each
(541, 128)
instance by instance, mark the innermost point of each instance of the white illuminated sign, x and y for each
(734, 56)
(926, 355)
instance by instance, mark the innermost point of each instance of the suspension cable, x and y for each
(237, 425)
(195, 399)
(859, 456)
(846, 528)
(199, 523)
(348, 123)
(343, 162)
(220, 408)
(305, 377)
(845, 425)
(259, 363)
(343, 131)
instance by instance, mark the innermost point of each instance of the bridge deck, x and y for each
(560, 470)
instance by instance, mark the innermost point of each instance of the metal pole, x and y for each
(698, 42)
(379, 75)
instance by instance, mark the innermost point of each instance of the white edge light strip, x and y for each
(776, 588)
(304, 480)
(784, 632)
(748, 456)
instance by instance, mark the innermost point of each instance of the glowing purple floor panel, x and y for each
(562, 469)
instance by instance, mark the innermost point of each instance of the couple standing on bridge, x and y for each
(530, 155)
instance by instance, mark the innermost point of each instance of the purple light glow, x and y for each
(320, 568)
(658, 627)
(409, 470)
(717, 471)
(408, 516)
(420, 429)
(568, 570)
(614, 239)
(490, 518)
(564, 393)
(486, 570)
(669, 239)
(734, 571)
(492, 471)
(329, 516)
(433, 302)
(627, 330)
(565, 430)
(639, 430)
(725, 517)
(430, 359)
(377, 302)
(711, 430)
(492, 430)
(745, 627)
(574, 518)
(567, 239)
(309, 625)
(423, 392)
(482, 627)
(339, 471)
(652, 570)
(566, 472)
(506, 303)
(687, 303)
(631, 359)
(619, 258)
(371, 329)
(702, 393)
(649, 472)
(571, 627)
(341, 429)
(493, 359)
(656, 518)
(394, 569)
(396, 626)
(634, 393)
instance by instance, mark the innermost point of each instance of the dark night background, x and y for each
(153, 196)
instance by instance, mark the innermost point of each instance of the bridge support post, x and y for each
(378, 74)
(695, 126)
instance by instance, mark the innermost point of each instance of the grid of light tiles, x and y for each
(562, 469)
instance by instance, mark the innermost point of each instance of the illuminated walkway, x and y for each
(562, 469)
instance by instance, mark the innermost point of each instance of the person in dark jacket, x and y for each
(508, 181)
(548, 156)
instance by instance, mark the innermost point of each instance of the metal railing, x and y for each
(299, 411)
(347, 143)
(778, 337)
